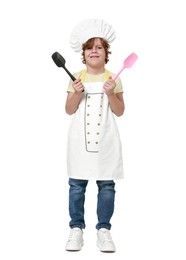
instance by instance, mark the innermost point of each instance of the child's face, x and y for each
(95, 55)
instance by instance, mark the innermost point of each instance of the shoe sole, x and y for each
(105, 251)
(75, 249)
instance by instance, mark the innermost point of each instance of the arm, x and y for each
(115, 100)
(117, 103)
(73, 99)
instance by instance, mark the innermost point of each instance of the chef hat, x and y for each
(88, 29)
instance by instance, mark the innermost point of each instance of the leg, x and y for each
(105, 205)
(76, 202)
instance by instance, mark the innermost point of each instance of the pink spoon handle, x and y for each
(117, 75)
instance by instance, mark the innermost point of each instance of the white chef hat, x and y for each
(88, 29)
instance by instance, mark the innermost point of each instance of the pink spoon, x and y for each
(128, 62)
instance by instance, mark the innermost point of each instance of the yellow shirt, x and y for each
(96, 78)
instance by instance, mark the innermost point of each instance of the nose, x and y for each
(94, 49)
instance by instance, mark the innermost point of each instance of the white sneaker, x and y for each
(75, 240)
(104, 241)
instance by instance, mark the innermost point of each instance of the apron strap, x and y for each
(107, 75)
(83, 75)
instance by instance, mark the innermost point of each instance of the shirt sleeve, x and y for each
(119, 86)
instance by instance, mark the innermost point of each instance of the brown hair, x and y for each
(88, 44)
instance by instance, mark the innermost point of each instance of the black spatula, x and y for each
(60, 62)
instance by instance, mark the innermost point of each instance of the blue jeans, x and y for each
(105, 203)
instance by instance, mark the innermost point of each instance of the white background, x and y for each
(150, 212)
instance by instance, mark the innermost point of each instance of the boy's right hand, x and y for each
(78, 86)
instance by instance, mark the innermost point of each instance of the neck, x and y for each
(95, 71)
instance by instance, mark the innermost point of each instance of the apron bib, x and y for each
(94, 147)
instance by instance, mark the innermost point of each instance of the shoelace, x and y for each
(107, 236)
(73, 234)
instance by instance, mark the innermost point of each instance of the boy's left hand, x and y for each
(109, 86)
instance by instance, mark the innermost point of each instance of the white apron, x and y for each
(94, 149)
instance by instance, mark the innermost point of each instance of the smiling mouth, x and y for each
(93, 56)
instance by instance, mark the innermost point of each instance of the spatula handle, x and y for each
(72, 77)
(117, 75)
